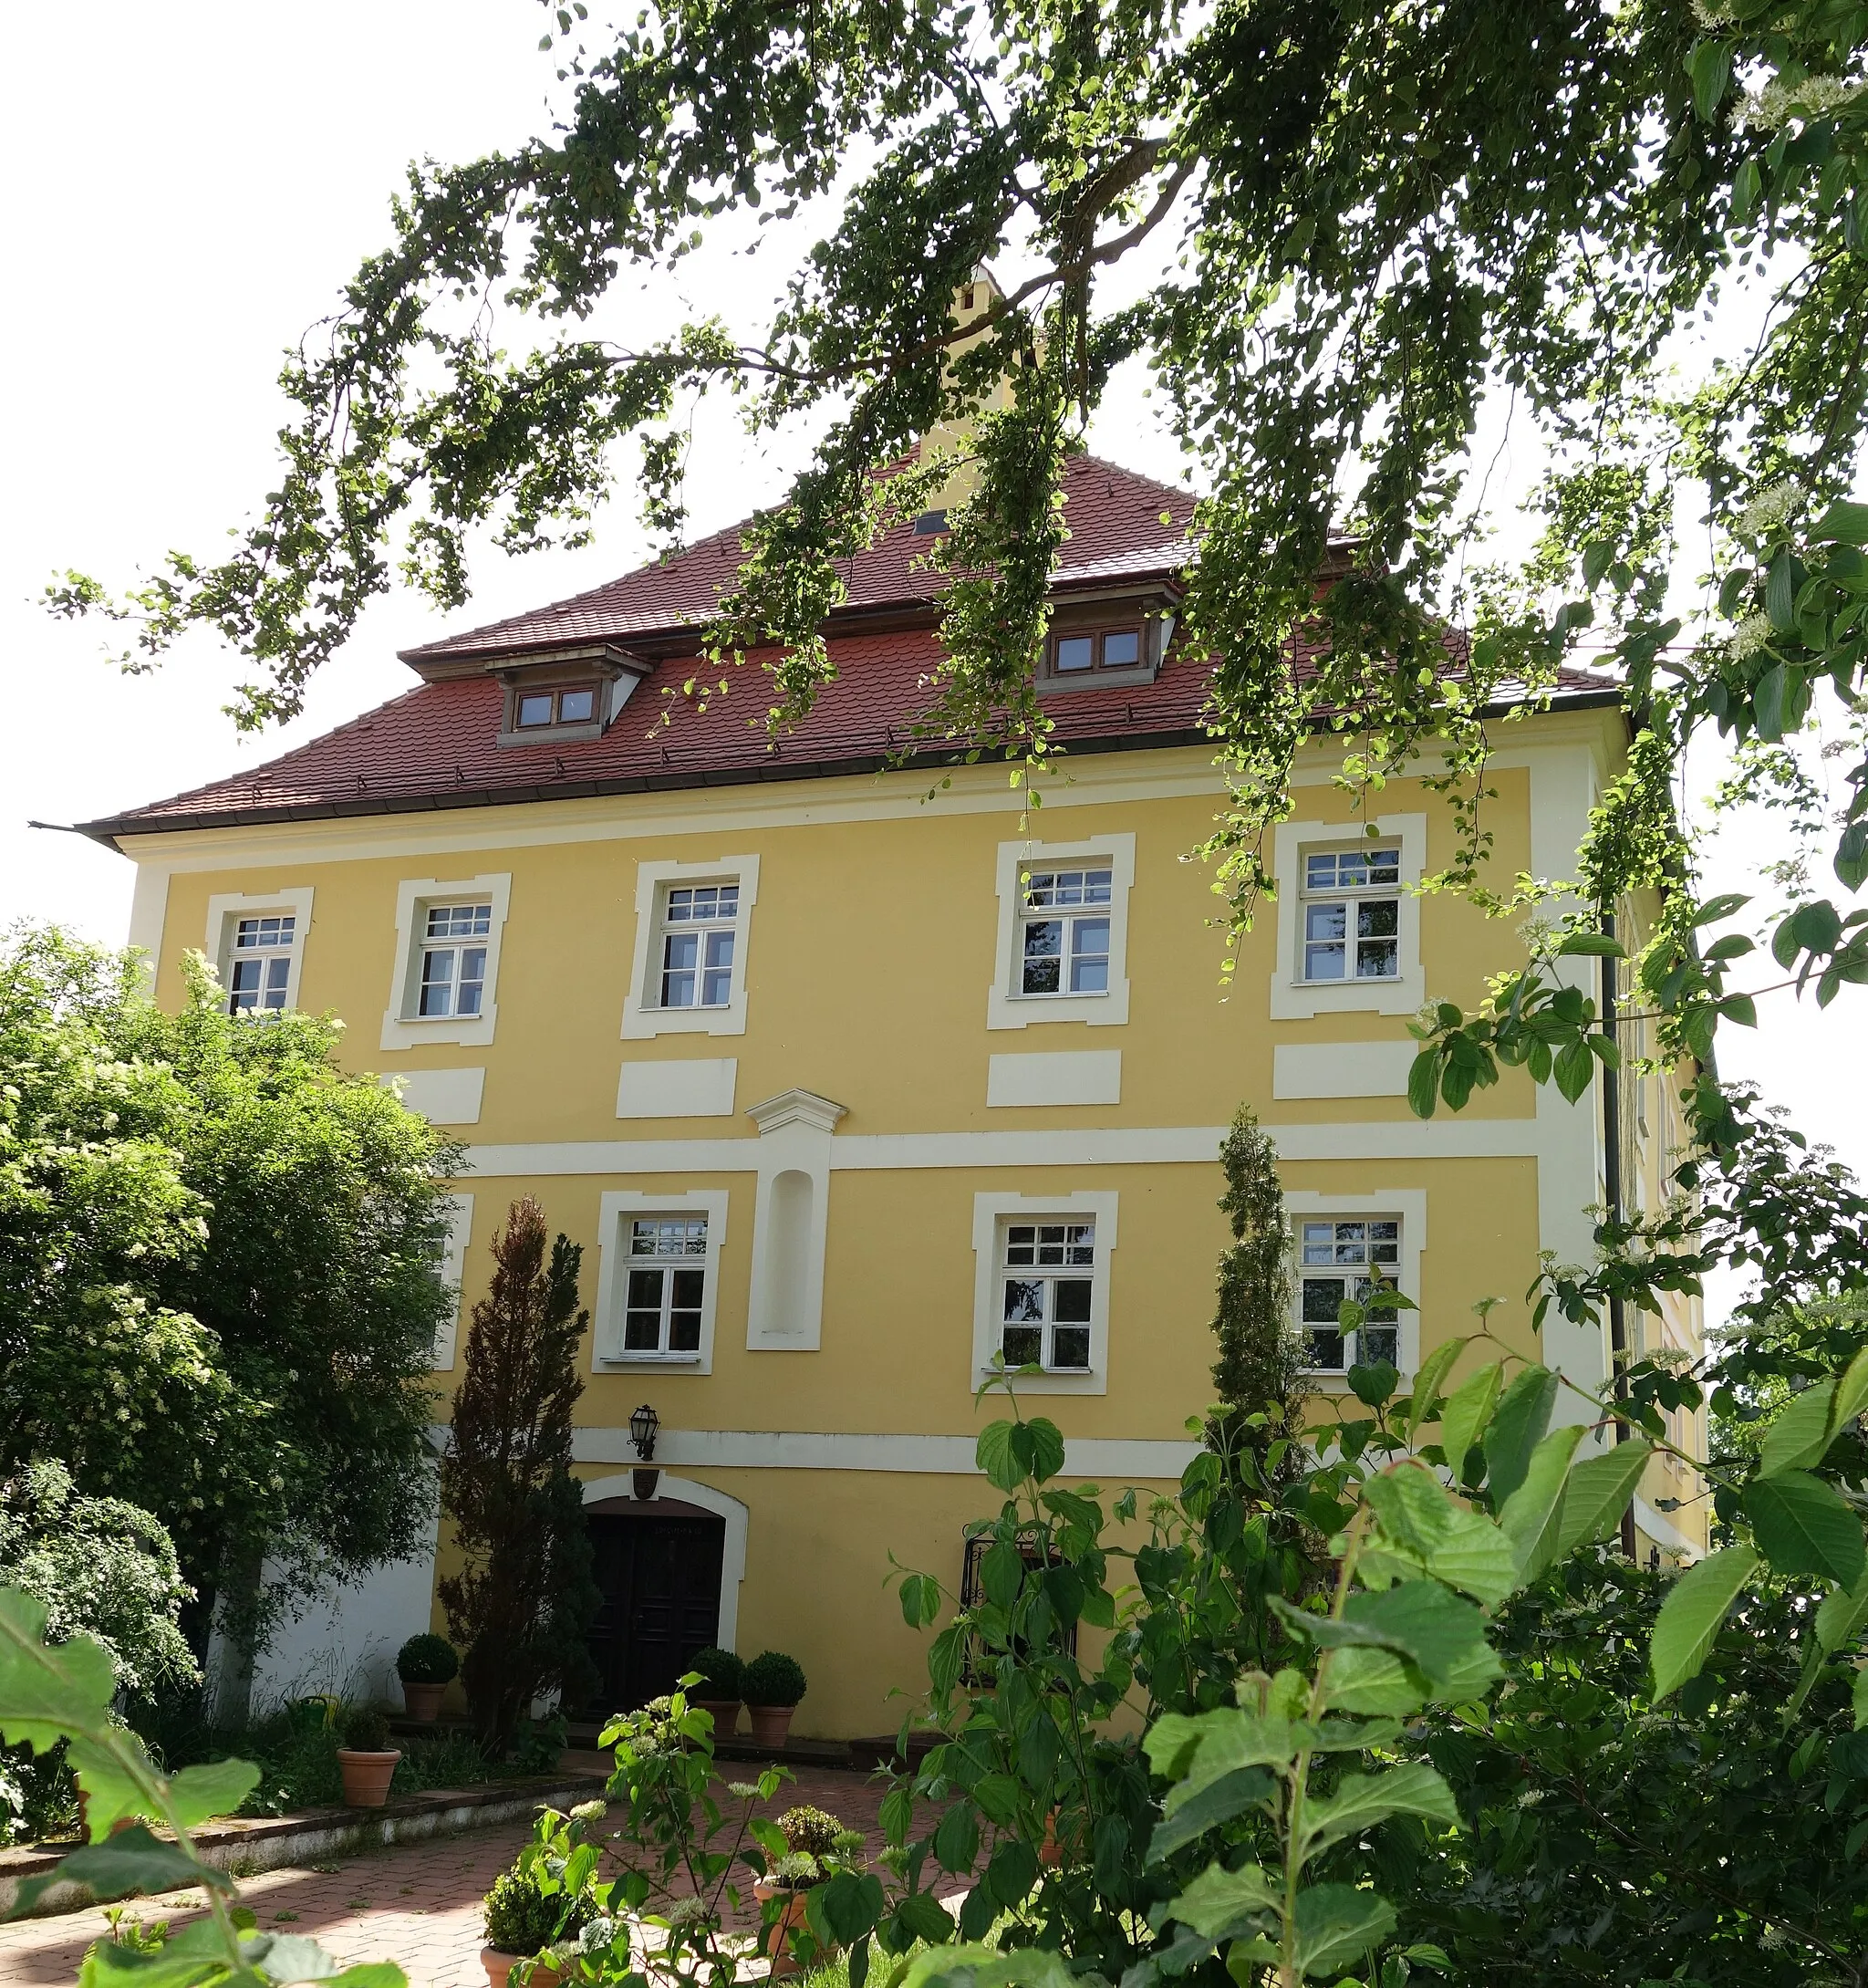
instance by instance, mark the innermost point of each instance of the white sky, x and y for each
(192, 185)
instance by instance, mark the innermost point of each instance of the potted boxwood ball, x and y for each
(523, 1919)
(427, 1665)
(818, 1847)
(719, 1689)
(771, 1684)
(364, 1757)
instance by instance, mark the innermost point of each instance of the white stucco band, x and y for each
(1106, 1459)
(732, 1558)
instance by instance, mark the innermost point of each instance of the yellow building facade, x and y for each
(845, 1087)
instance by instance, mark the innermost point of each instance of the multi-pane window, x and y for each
(1046, 1274)
(699, 926)
(1101, 648)
(1342, 1263)
(453, 958)
(667, 1284)
(1352, 914)
(260, 971)
(576, 704)
(1063, 935)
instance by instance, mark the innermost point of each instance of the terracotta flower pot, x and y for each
(498, 1965)
(423, 1700)
(770, 1723)
(367, 1776)
(726, 1714)
(777, 1942)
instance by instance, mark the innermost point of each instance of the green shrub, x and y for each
(772, 1679)
(364, 1729)
(721, 1673)
(427, 1660)
(813, 1830)
(522, 1917)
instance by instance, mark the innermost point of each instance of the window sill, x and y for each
(650, 1360)
(551, 734)
(1051, 1381)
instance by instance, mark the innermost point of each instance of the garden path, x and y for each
(417, 1903)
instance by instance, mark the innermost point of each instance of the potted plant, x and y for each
(427, 1665)
(364, 1757)
(772, 1685)
(816, 1846)
(718, 1690)
(523, 1919)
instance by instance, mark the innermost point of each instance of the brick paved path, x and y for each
(417, 1903)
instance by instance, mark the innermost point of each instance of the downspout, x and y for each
(1611, 1188)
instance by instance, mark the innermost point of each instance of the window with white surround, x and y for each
(448, 937)
(1348, 1250)
(1348, 921)
(1043, 1298)
(1063, 932)
(453, 960)
(658, 1279)
(699, 926)
(668, 1283)
(693, 926)
(260, 971)
(1352, 913)
(1348, 1262)
(1047, 1272)
(256, 944)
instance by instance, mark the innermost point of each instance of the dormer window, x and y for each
(539, 710)
(1101, 648)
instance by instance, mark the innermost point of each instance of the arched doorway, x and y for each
(658, 1567)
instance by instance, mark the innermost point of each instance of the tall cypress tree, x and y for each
(523, 1605)
(1260, 1362)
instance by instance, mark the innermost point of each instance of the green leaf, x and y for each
(1362, 1801)
(1850, 1392)
(1047, 1447)
(1770, 700)
(1860, 1700)
(1596, 944)
(1425, 1406)
(1468, 1414)
(995, 1454)
(134, 1860)
(1710, 66)
(847, 1906)
(1450, 1541)
(1800, 1435)
(1597, 1493)
(1843, 524)
(1841, 1616)
(1212, 1803)
(1011, 1872)
(1423, 1083)
(1220, 1903)
(1531, 1518)
(1438, 1632)
(923, 1915)
(1779, 595)
(1001, 1573)
(1518, 1426)
(217, 1789)
(1574, 1069)
(1377, 1683)
(957, 1839)
(1690, 1616)
(1804, 1527)
(1336, 1924)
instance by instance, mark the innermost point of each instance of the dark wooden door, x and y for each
(659, 1575)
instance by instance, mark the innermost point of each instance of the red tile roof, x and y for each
(1114, 517)
(436, 747)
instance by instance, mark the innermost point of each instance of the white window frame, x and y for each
(643, 1015)
(404, 1026)
(615, 1211)
(453, 1274)
(992, 1212)
(1006, 1007)
(1294, 998)
(226, 911)
(1408, 1206)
